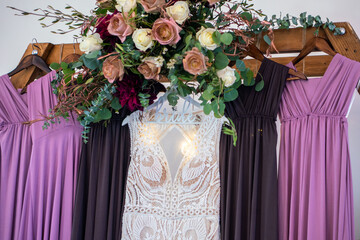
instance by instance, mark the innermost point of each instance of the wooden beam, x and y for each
(62, 51)
(311, 65)
(20, 79)
(290, 40)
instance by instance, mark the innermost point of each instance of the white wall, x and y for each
(17, 32)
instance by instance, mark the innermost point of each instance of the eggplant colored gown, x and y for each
(248, 172)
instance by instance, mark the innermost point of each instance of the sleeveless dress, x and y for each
(50, 185)
(165, 201)
(315, 184)
(248, 171)
(15, 151)
(100, 191)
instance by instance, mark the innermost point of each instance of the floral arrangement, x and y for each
(132, 46)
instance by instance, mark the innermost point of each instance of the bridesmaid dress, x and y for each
(248, 172)
(15, 151)
(315, 185)
(50, 186)
(100, 193)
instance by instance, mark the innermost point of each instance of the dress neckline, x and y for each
(319, 81)
(198, 137)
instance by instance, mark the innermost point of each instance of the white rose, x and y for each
(158, 61)
(179, 11)
(91, 43)
(143, 39)
(125, 5)
(205, 38)
(227, 75)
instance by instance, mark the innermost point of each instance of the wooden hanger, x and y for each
(254, 52)
(30, 60)
(314, 43)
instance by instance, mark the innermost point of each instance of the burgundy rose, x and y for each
(101, 28)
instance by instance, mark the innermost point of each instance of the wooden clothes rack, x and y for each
(286, 41)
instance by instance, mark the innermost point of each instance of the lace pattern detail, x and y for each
(158, 206)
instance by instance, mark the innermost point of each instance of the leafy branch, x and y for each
(305, 21)
(73, 19)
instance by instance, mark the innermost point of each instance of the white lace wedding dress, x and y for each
(182, 207)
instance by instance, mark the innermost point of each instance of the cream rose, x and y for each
(125, 5)
(143, 39)
(91, 43)
(227, 75)
(179, 11)
(205, 38)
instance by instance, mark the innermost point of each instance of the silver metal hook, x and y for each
(34, 51)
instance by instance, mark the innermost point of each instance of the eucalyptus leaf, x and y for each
(103, 114)
(207, 95)
(55, 66)
(64, 65)
(210, 55)
(240, 65)
(226, 38)
(115, 104)
(216, 36)
(93, 54)
(247, 16)
(267, 40)
(230, 95)
(259, 86)
(207, 108)
(221, 61)
(172, 99)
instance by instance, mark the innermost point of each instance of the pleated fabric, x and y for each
(50, 185)
(315, 184)
(101, 183)
(248, 172)
(15, 151)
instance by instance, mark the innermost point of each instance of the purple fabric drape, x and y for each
(15, 150)
(315, 185)
(50, 185)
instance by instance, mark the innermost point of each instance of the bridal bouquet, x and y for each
(131, 46)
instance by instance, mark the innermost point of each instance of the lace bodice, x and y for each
(185, 206)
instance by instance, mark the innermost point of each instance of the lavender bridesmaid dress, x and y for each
(315, 185)
(50, 185)
(15, 150)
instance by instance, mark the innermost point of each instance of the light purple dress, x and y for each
(15, 150)
(315, 183)
(50, 186)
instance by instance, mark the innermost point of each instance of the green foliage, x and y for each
(221, 61)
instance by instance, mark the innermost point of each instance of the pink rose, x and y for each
(166, 31)
(195, 62)
(120, 26)
(113, 69)
(152, 6)
(149, 69)
(212, 2)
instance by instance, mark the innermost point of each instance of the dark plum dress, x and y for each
(102, 175)
(249, 195)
